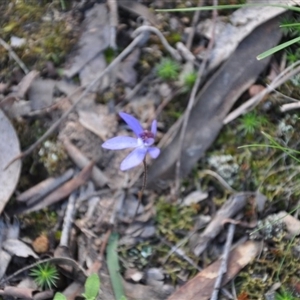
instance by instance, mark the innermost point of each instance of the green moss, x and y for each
(37, 223)
(251, 122)
(189, 80)
(48, 38)
(174, 37)
(276, 264)
(168, 69)
(172, 218)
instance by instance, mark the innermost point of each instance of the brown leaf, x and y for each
(201, 286)
(18, 248)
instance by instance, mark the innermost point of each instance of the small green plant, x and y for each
(289, 26)
(91, 289)
(251, 122)
(189, 80)
(59, 296)
(45, 275)
(284, 295)
(168, 69)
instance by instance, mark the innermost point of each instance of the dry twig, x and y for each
(113, 20)
(174, 53)
(68, 221)
(223, 267)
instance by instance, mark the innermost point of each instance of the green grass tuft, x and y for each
(45, 275)
(168, 69)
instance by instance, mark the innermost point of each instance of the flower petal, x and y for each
(133, 159)
(154, 127)
(149, 142)
(154, 152)
(132, 122)
(120, 142)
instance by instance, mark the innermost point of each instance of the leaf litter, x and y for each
(79, 206)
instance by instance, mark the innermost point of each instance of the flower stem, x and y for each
(141, 192)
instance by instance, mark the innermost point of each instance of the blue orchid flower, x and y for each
(142, 143)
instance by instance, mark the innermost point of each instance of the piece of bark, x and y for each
(81, 161)
(201, 286)
(214, 102)
(43, 188)
(65, 190)
(229, 209)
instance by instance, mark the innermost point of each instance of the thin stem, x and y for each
(141, 192)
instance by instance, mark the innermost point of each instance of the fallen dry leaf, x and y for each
(18, 248)
(9, 148)
(127, 73)
(292, 224)
(95, 123)
(94, 39)
(201, 286)
(40, 93)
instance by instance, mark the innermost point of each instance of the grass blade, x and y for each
(114, 267)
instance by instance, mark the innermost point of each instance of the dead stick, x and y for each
(68, 221)
(223, 266)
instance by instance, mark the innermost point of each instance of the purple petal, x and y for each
(154, 152)
(133, 159)
(149, 141)
(120, 142)
(154, 127)
(132, 122)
